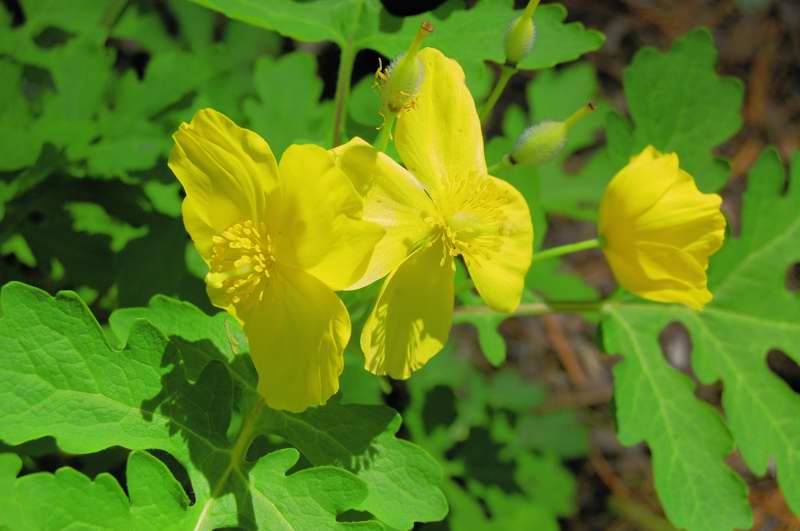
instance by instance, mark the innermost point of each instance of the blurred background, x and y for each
(537, 434)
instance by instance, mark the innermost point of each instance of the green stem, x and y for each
(385, 134)
(499, 166)
(567, 249)
(346, 59)
(506, 72)
(236, 458)
(529, 9)
(537, 308)
(580, 113)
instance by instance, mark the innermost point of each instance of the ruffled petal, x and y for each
(297, 334)
(499, 253)
(661, 273)
(441, 135)
(315, 218)
(685, 218)
(636, 188)
(226, 171)
(393, 199)
(412, 316)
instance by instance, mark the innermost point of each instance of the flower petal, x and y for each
(662, 273)
(316, 218)
(499, 255)
(412, 316)
(637, 187)
(441, 135)
(226, 171)
(297, 334)
(393, 199)
(685, 218)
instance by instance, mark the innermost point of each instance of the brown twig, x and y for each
(590, 396)
(745, 156)
(569, 359)
(607, 476)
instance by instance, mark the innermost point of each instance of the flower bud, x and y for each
(543, 141)
(521, 35)
(400, 81)
(539, 143)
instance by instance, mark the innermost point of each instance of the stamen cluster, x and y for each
(243, 254)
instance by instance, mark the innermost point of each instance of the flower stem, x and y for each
(499, 166)
(236, 458)
(580, 113)
(567, 249)
(425, 29)
(537, 308)
(385, 134)
(529, 9)
(346, 59)
(506, 72)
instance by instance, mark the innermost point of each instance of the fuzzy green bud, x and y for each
(401, 80)
(521, 35)
(541, 142)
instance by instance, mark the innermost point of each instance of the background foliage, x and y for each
(128, 403)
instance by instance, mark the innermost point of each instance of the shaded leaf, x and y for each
(89, 396)
(360, 438)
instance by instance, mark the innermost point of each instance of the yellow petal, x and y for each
(441, 135)
(498, 253)
(226, 172)
(297, 335)
(393, 199)
(316, 218)
(638, 186)
(412, 316)
(685, 218)
(661, 273)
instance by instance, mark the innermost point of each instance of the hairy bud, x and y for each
(400, 81)
(543, 141)
(521, 35)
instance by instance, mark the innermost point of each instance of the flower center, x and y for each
(241, 259)
(470, 219)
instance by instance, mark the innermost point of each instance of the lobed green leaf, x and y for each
(751, 313)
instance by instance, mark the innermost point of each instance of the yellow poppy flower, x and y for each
(443, 206)
(278, 239)
(659, 230)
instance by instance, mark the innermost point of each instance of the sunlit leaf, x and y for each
(751, 313)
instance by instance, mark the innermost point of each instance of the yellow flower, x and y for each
(445, 205)
(659, 230)
(278, 239)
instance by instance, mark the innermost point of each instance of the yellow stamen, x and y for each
(241, 259)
